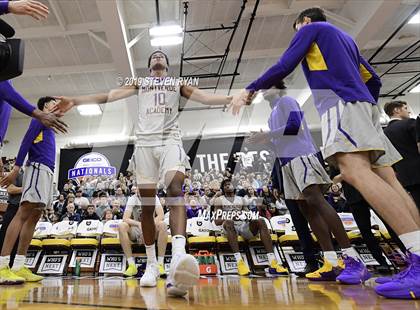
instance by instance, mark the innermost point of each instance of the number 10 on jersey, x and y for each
(160, 99)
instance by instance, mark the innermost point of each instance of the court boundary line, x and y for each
(87, 305)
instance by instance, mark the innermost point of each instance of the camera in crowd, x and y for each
(12, 53)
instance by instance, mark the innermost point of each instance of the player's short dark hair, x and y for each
(392, 105)
(155, 52)
(42, 101)
(316, 14)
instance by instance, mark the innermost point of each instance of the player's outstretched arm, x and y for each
(12, 97)
(67, 103)
(203, 97)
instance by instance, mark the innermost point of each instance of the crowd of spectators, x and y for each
(105, 198)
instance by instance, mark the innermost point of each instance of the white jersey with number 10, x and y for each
(158, 106)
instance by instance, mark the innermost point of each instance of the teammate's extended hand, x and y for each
(238, 101)
(50, 120)
(29, 7)
(10, 178)
(64, 104)
(258, 138)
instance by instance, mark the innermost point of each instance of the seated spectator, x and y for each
(69, 199)
(102, 204)
(251, 198)
(117, 212)
(263, 211)
(187, 187)
(58, 206)
(119, 195)
(67, 189)
(273, 211)
(81, 202)
(267, 196)
(111, 190)
(71, 214)
(193, 209)
(197, 176)
(336, 200)
(107, 216)
(90, 213)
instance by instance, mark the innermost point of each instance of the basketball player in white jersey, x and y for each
(159, 156)
(234, 223)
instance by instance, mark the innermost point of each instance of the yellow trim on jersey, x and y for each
(40, 138)
(364, 73)
(315, 59)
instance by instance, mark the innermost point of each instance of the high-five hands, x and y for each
(63, 105)
(238, 101)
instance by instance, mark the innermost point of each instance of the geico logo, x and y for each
(86, 160)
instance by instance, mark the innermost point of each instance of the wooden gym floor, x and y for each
(228, 292)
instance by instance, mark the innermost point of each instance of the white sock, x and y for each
(19, 262)
(411, 241)
(178, 244)
(350, 252)
(271, 257)
(151, 254)
(332, 257)
(160, 260)
(238, 256)
(4, 261)
(130, 260)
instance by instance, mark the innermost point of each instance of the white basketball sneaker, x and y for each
(183, 274)
(150, 276)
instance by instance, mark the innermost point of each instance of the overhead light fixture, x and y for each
(165, 41)
(415, 90)
(166, 35)
(89, 109)
(168, 30)
(415, 19)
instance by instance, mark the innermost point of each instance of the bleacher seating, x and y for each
(88, 233)
(110, 238)
(60, 234)
(68, 236)
(199, 231)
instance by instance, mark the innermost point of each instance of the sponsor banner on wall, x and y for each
(92, 164)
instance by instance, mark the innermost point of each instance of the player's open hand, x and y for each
(64, 104)
(51, 120)
(29, 7)
(237, 102)
(258, 138)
